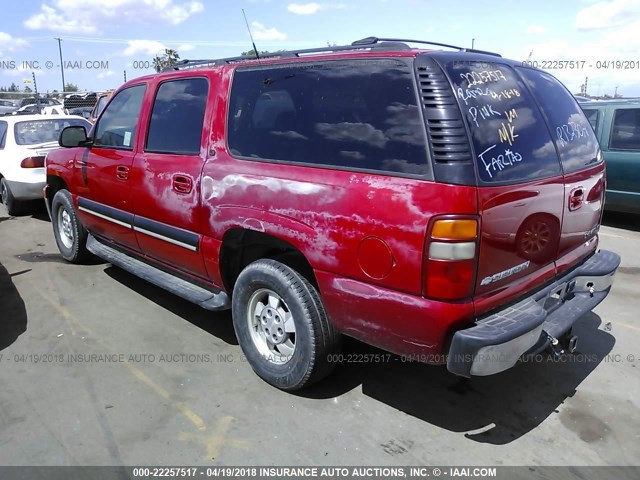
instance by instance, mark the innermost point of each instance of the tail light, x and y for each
(597, 191)
(33, 162)
(450, 259)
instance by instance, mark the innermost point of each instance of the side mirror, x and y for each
(75, 136)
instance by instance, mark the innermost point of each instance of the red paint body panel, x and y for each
(372, 289)
(397, 322)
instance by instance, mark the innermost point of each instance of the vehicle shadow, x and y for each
(13, 314)
(626, 221)
(218, 324)
(497, 409)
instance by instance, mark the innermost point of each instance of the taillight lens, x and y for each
(33, 162)
(451, 258)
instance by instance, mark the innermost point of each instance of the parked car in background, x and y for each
(617, 126)
(7, 106)
(103, 99)
(34, 109)
(29, 109)
(24, 142)
(84, 112)
(42, 101)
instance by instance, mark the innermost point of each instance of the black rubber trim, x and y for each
(174, 233)
(102, 209)
(516, 320)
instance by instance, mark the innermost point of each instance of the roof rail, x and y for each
(365, 43)
(377, 40)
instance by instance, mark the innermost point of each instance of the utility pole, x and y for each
(35, 89)
(473, 42)
(125, 76)
(61, 64)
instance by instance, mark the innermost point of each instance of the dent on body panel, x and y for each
(359, 295)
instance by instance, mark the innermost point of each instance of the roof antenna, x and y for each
(250, 36)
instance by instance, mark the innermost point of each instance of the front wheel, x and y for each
(71, 236)
(282, 326)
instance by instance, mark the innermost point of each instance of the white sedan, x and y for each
(24, 142)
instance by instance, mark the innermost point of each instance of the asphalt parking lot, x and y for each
(98, 367)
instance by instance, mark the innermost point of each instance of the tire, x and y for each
(71, 236)
(270, 298)
(13, 206)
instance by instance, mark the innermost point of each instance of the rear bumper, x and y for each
(26, 190)
(500, 339)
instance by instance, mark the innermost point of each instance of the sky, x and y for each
(102, 40)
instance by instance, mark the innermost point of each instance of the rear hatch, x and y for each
(538, 168)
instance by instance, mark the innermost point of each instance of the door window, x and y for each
(117, 126)
(177, 117)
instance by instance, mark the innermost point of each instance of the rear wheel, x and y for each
(70, 235)
(13, 206)
(282, 326)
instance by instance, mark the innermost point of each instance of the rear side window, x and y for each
(117, 126)
(3, 133)
(575, 139)
(593, 117)
(625, 132)
(511, 140)
(356, 115)
(177, 117)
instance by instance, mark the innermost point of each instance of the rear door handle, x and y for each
(182, 184)
(576, 198)
(122, 172)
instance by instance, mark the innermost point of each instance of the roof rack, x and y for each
(372, 43)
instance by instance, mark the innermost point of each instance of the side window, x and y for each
(358, 114)
(3, 134)
(593, 116)
(177, 117)
(510, 138)
(625, 131)
(572, 134)
(117, 127)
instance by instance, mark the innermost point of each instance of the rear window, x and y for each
(625, 132)
(35, 132)
(511, 140)
(575, 139)
(356, 115)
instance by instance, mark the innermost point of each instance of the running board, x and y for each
(193, 293)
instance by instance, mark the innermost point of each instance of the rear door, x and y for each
(521, 187)
(623, 159)
(166, 175)
(581, 159)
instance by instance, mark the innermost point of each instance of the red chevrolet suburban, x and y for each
(440, 204)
